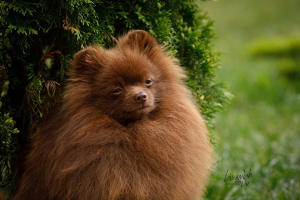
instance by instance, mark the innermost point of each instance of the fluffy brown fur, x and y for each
(127, 130)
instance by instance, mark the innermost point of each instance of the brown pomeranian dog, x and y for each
(127, 129)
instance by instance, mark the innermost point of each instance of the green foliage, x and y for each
(8, 145)
(285, 50)
(276, 47)
(37, 39)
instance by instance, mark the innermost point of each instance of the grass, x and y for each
(260, 130)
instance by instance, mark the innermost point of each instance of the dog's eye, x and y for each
(117, 91)
(148, 82)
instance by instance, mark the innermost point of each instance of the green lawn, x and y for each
(260, 130)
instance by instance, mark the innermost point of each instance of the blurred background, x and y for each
(259, 45)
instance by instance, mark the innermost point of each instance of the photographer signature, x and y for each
(239, 179)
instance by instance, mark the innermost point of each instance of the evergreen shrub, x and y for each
(39, 37)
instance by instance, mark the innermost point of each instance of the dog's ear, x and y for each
(139, 40)
(87, 62)
(88, 58)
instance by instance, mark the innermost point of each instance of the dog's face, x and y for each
(126, 82)
(125, 87)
